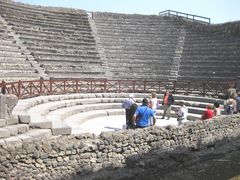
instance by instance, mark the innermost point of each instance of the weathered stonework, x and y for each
(7, 103)
(118, 155)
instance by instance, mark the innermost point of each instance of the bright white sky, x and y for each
(219, 11)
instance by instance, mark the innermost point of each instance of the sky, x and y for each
(220, 11)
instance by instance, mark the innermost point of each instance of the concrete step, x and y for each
(60, 128)
(13, 130)
(30, 136)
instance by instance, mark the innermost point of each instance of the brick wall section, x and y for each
(63, 157)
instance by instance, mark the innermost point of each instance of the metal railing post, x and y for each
(19, 89)
(50, 82)
(3, 90)
(41, 88)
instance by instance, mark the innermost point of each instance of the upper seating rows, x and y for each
(63, 43)
(137, 46)
(208, 56)
(14, 62)
(55, 36)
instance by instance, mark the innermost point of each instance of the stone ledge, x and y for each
(42, 124)
(59, 128)
(3, 122)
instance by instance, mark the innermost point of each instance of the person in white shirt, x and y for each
(153, 104)
(182, 113)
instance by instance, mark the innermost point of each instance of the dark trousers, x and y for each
(129, 122)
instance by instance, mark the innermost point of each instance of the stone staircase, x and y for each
(177, 57)
(14, 130)
(99, 47)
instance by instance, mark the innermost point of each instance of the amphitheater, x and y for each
(65, 72)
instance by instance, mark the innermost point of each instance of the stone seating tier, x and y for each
(131, 29)
(11, 66)
(138, 36)
(60, 45)
(29, 136)
(221, 52)
(140, 55)
(51, 31)
(137, 76)
(11, 60)
(143, 70)
(66, 51)
(52, 111)
(49, 28)
(6, 48)
(41, 32)
(69, 75)
(213, 44)
(66, 56)
(128, 18)
(58, 36)
(80, 21)
(40, 40)
(224, 68)
(16, 72)
(205, 77)
(44, 11)
(78, 72)
(8, 42)
(48, 63)
(141, 51)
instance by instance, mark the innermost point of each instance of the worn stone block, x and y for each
(4, 133)
(12, 120)
(59, 128)
(2, 122)
(38, 134)
(41, 124)
(10, 101)
(24, 118)
(12, 129)
(13, 141)
(22, 128)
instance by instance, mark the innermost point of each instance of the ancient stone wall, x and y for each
(87, 155)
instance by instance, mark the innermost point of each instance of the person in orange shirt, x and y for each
(168, 100)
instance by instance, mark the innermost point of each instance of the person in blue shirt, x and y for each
(142, 115)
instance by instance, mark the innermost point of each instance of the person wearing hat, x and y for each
(182, 113)
(130, 106)
(143, 114)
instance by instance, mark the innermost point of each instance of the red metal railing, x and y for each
(26, 89)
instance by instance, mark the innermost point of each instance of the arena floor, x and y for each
(111, 123)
